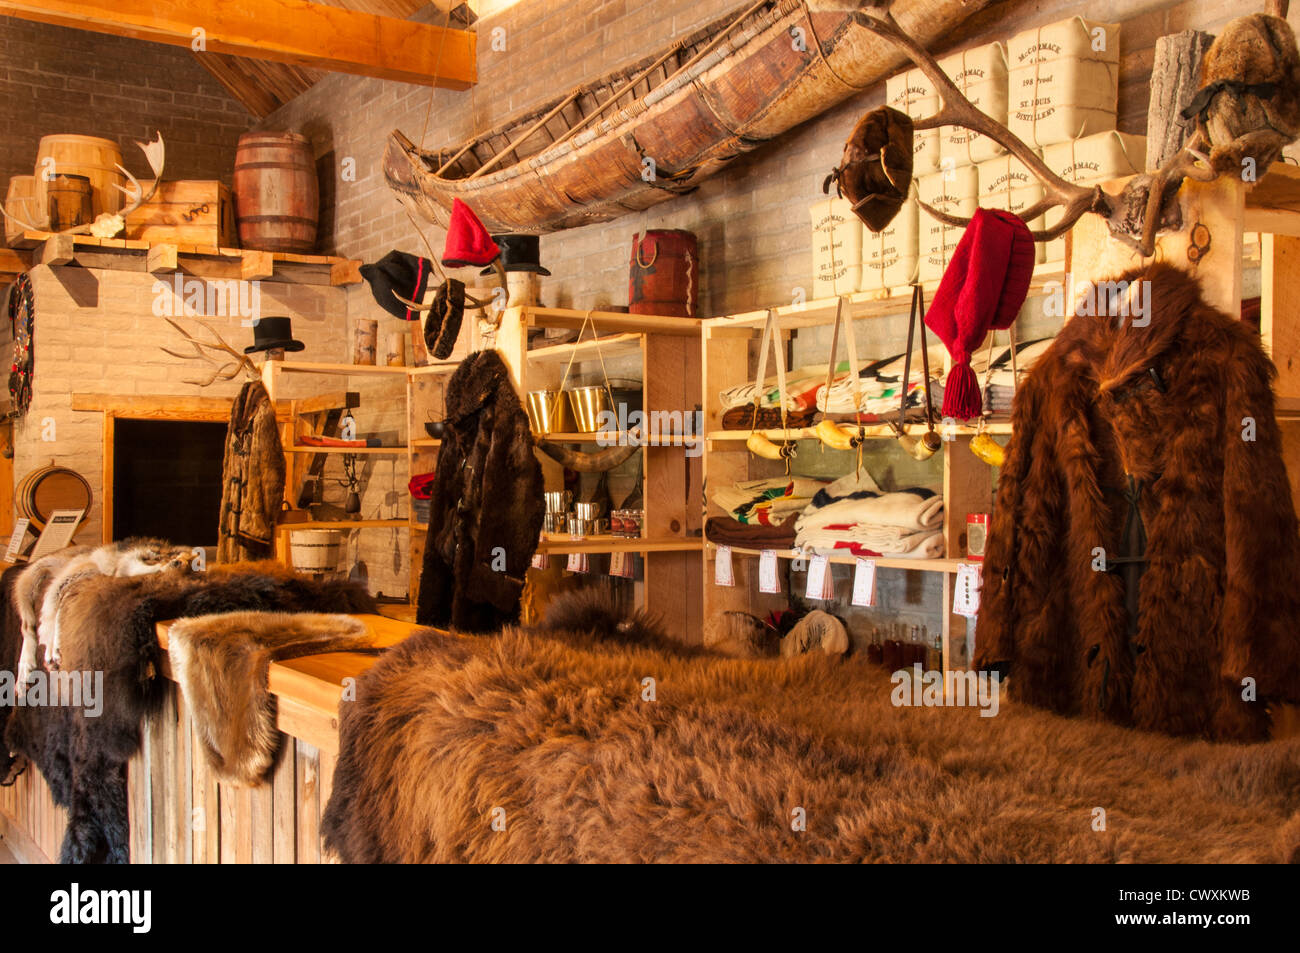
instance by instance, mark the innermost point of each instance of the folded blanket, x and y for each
(725, 531)
(770, 501)
(800, 384)
(913, 510)
(859, 541)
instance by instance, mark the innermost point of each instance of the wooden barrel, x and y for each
(96, 159)
(315, 550)
(71, 201)
(47, 489)
(277, 199)
(665, 276)
(20, 200)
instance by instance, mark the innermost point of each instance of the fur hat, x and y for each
(398, 272)
(875, 173)
(982, 290)
(468, 242)
(443, 324)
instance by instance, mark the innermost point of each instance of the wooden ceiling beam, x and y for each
(286, 31)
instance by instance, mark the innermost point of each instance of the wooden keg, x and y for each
(665, 276)
(71, 201)
(51, 488)
(277, 199)
(20, 200)
(96, 159)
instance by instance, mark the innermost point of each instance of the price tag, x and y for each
(821, 585)
(864, 582)
(541, 561)
(577, 562)
(17, 539)
(767, 581)
(723, 573)
(620, 564)
(966, 599)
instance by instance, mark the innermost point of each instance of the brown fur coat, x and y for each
(550, 734)
(252, 478)
(1218, 596)
(486, 513)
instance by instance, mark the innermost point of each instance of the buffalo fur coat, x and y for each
(108, 625)
(486, 511)
(1178, 416)
(550, 745)
(252, 478)
(222, 663)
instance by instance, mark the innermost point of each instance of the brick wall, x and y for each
(57, 80)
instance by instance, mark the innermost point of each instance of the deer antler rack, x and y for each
(226, 371)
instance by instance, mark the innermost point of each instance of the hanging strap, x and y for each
(851, 344)
(559, 394)
(772, 338)
(917, 313)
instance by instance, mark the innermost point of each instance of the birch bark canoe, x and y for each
(656, 129)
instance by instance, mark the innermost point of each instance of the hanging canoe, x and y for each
(657, 129)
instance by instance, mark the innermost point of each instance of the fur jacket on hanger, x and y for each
(485, 515)
(252, 478)
(1173, 421)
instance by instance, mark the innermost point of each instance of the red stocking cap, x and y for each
(982, 289)
(468, 242)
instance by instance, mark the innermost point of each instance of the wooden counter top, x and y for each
(308, 689)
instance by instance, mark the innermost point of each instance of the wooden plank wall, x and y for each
(181, 814)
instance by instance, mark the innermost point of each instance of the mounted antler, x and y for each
(226, 371)
(109, 224)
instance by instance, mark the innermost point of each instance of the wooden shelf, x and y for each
(563, 543)
(344, 524)
(445, 367)
(996, 427)
(425, 443)
(618, 436)
(882, 562)
(586, 349)
(200, 261)
(388, 450)
(347, 370)
(609, 321)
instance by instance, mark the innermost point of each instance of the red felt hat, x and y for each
(982, 289)
(468, 242)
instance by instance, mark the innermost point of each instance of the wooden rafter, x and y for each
(309, 35)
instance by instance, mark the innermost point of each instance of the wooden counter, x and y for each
(180, 813)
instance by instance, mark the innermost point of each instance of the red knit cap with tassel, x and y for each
(982, 290)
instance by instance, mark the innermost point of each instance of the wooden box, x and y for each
(186, 212)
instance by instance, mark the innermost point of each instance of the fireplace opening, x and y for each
(167, 479)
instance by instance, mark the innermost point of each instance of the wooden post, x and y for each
(1175, 77)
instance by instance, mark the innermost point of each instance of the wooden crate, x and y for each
(186, 212)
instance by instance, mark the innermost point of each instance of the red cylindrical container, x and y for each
(665, 277)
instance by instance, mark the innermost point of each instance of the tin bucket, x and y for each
(548, 412)
(588, 404)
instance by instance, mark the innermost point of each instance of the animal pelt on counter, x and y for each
(546, 745)
(1172, 417)
(221, 663)
(108, 625)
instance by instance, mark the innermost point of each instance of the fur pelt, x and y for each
(1218, 597)
(252, 477)
(486, 512)
(222, 663)
(552, 733)
(108, 625)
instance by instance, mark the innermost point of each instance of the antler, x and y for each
(959, 111)
(225, 371)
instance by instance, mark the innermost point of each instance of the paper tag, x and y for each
(17, 539)
(577, 562)
(620, 564)
(767, 581)
(864, 582)
(821, 584)
(59, 530)
(541, 561)
(966, 597)
(723, 573)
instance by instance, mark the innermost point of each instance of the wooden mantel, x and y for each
(286, 31)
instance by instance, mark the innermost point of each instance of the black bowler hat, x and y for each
(407, 275)
(271, 333)
(519, 253)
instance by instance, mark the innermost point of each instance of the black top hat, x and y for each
(271, 333)
(519, 253)
(402, 273)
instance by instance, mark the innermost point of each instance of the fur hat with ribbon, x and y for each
(398, 272)
(982, 290)
(875, 173)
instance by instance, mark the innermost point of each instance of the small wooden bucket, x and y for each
(71, 202)
(47, 489)
(315, 550)
(20, 200)
(96, 159)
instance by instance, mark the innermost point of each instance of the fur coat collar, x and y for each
(1172, 421)
(487, 504)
